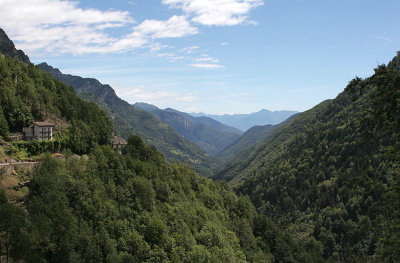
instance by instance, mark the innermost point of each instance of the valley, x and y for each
(315, 186)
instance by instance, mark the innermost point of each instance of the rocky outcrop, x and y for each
(7, 48)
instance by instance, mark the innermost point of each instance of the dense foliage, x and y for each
(135, 207)
(333, 173)
(28, 94)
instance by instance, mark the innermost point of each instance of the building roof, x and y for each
(118, 141)
(43, 123)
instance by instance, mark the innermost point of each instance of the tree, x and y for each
(12, 223)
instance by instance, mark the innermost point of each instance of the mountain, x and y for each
(28, 94)
(332, 174)
(244, 122)
(7, 48)
(130, 120)
(249, 139)
(209, 134)
(145, 106)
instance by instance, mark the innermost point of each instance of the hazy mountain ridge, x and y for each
(209, 134)
(248, 141)
(244, 122)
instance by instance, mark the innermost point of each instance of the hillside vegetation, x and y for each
(28, 94)
(333, 172)
(246, 143)
(135, 207)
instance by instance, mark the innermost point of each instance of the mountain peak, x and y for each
(145, 106)
(7, 48)
(46, 67)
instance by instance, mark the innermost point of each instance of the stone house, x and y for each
(39, 130)
(118, 143)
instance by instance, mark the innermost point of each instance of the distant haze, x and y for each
(246, 121)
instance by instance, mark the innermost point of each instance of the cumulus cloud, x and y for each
(176, 26)
(43, 26)
(62, 26)
(216, 12)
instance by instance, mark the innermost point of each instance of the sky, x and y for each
(211, 56)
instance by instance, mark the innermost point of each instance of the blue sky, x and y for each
(213, 56)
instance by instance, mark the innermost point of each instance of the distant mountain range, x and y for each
(211, 135)
(244, 122)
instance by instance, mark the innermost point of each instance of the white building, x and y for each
(39, 130)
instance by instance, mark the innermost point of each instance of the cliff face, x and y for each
(7, 48)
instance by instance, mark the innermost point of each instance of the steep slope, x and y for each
(7, 48)
(249, 140)
(330, 173)
(209, 134)
(209, 122)
(130, 120)
(246, 121)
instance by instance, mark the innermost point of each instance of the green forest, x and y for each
(135, 207)
(333, 173)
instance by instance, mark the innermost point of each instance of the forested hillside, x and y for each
(128, 120)
(210, 135)
(28, 94)
(135, 207)
(333, 172)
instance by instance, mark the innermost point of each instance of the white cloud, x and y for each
(176, 26)
(207, 59)
(49, 26)
(224, 44)
(54, 24)
(206, 65)
(216, 12)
